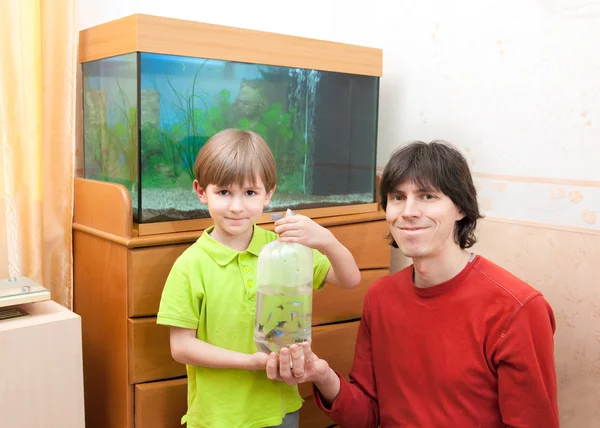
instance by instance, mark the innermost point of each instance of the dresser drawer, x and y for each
(149, 267)
(333, 303)
(366, 242)
(147, 273)
(334, 344)
(150, 352)
(160, 404)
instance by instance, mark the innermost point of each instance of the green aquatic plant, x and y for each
(110, 151)
(189, 110)
(161, 158)
(289, 150)
(125, 136)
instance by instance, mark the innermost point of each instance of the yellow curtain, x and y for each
(38, 70)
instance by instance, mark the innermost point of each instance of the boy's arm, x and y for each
(187, 349)
(344, 271)
(303, 230)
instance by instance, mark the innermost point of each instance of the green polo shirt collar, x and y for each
(223, 255)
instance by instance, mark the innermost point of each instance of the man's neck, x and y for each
(430, 271)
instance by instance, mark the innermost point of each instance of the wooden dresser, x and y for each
(129, 376)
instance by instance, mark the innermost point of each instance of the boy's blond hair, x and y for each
(238, 157)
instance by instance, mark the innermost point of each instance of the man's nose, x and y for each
(411, 208)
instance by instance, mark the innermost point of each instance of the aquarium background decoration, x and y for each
(146, 116)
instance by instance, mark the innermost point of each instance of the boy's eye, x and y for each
(250, 192)
(396, 197)
(223, 192)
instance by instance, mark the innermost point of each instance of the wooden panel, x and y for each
(152, 359)
(147, 33)
(100, 273)
(150, 352)
(333, 303)
(190, 236)
(178, 37)
(148, 271)
(150, 355)
(112, 38)
(160, 404)
(204, 223)
(102, 206)
(334, 344)
(366, 242)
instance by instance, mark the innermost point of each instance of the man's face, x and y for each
(421, 221)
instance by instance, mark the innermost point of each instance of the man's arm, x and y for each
(355, 405)
(526, 372)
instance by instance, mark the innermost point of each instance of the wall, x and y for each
(515, 86)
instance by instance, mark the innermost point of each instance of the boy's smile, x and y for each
(234, 209)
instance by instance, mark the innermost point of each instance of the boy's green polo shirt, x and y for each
(212, 289)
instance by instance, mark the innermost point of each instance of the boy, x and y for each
(209, 299)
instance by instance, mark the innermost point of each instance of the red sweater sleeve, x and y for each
(525, 363)
(356, 404)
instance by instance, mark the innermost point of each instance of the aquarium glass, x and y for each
(110, 122)
(321, 127)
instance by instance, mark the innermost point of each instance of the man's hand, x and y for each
(293, 369)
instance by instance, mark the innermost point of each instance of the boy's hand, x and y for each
(303, 230)
(257, 361)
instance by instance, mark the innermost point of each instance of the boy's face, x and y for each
(234, 209)
(421, 221)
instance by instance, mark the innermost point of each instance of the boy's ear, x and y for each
(269, 196)
(200, 192)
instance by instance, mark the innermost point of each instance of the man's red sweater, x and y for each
(475, 351)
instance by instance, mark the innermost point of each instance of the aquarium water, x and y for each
(146, 116)
(283, 316)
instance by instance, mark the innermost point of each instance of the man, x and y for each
(451, 341)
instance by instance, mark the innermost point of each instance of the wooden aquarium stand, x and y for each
(130, 378)
(120, 267)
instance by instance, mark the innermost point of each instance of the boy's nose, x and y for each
(236, 205)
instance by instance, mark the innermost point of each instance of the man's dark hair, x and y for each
(436, 166)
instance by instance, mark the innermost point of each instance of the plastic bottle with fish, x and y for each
(283, 295)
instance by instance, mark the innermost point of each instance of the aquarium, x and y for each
(146, 116)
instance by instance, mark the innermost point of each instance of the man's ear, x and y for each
(201, 192)
(269, 196)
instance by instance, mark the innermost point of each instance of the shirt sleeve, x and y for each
(321, 266)
(180, 301)
(524, 359)
(356, 405)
